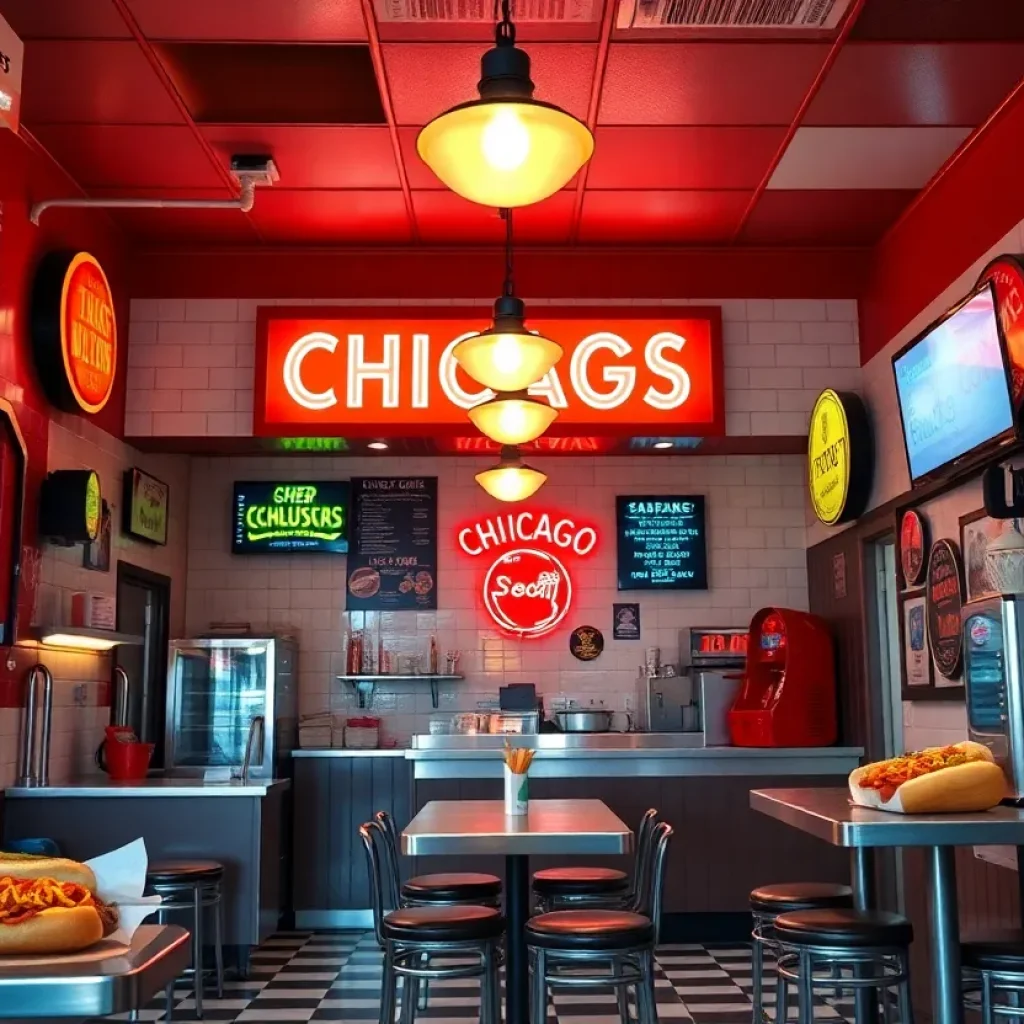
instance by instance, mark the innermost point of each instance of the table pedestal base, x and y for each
(517, 913)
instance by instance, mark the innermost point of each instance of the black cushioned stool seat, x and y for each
(577, 881)
(589, 930)
(995, 951)
(845, 929)
(456, 886)
(789, 896)
(184, 872)
(443, 924)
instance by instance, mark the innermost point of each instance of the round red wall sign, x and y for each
(527, 592)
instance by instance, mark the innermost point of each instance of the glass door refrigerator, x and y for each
(216, 687)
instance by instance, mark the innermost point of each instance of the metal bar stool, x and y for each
(874, 945)
(994, 975)
(569, 947)
(414, 937)
(192, 885)
(766, 903)
(566, 888)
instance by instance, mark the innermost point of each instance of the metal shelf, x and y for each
(364, 684)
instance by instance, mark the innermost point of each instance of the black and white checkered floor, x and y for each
(335, 976)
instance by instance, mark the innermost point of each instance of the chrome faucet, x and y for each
(257, 732)
(34, 761)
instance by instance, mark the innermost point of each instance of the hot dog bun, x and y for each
(59, 930)
(975, 786)
(60, 868)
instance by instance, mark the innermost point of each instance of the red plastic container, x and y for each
(128, 762)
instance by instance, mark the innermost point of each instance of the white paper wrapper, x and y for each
(121, 879)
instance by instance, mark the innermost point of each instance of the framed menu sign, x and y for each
(944, 597)
(392, 560)
(661, 543)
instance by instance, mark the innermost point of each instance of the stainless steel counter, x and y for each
(346, 752)
(101, 786)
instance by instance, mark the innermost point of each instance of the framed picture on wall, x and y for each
(916, 661)
(977, 532)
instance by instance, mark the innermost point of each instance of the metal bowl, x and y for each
(583, 721)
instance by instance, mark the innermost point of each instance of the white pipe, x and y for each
(244, 202)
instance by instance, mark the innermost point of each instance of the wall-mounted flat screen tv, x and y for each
(275, 517)
(953, 388)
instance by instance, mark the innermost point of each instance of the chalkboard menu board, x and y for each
(661, 543)
(272, 517)
(392, 563)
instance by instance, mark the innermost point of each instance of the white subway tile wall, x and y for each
(75, 443)
(756, 554)
(190, 362)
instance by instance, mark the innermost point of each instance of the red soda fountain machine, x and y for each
(788, 695)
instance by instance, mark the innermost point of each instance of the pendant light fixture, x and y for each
(511, 479)
(507, 357)
(506, 148)
(513, 418)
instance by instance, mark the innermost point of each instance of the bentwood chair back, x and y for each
(372, 833)
(391, 862)
(642, 862)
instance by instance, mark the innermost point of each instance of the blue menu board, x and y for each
(661, 542)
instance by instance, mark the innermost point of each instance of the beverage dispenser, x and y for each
(788, 696)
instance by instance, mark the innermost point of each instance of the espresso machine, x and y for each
(993, 632)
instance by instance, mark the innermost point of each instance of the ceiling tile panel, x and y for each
(445, 217)
(331, 218)
(65, 19)
(222, 227)
(427, 79)
(322, 157)
(865, 158)
(833, 217)
(940, 20)
(271, 21)
(662, 217)
(136, 156)
(100, 82)
(583, 31)
(682, 158)
(708, 83)
(925, 84)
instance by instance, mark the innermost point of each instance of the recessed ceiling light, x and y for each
(662, 444)
(378, 446)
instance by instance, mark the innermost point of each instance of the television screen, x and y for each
(953, 388)
(278, 517)
(661, 542)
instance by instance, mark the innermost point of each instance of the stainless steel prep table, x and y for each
(828, 814)
(462, 827)
(117, 984)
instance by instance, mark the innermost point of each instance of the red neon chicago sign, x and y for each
(361, 372)
(527, 588)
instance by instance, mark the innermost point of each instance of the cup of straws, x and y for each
(517, 788)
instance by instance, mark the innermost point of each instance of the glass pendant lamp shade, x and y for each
(513, 418)
(507, 357)
(505, 149)
(511, 479)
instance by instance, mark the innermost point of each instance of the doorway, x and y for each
(144, 609)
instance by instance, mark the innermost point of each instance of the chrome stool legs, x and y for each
(997, 995)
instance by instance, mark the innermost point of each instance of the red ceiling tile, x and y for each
(65, 19)
(315, 157)
(708, 83)
(331, 218)
(682, 158)
(136, 156)
(882, 84)
(585, 31)
(653, 217)
(274, 21)
(427, 79)
(99, 82)
(832, 217)
(924, 20)
(446, 217)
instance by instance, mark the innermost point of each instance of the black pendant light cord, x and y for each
(506, 215)
(504, 30)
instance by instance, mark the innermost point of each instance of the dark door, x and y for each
(143, 609)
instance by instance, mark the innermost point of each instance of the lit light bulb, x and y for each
(505, 141)
(508, 353)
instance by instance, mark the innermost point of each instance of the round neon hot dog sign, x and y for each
(527, 589)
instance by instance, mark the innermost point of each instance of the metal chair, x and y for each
(413, 937)
(860, 950)
(566, 888)
(994, 975)
(193, 885)
(766, 903)
(569, 947)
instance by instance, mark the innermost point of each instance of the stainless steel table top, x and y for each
(156, 786)
(95, 988)
(481, 826)
(828, 814)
